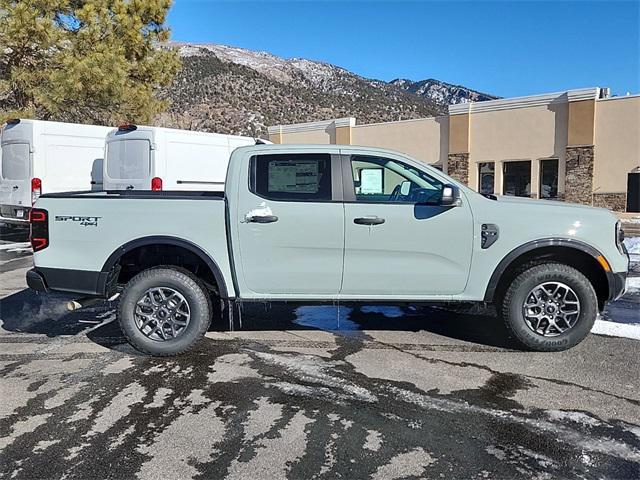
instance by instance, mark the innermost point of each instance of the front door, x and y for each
(399, 241)
(291, 226)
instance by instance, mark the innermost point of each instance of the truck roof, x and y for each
(320, 148)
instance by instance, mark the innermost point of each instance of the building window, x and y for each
(517, 179)
(486, 176)
(549, 178)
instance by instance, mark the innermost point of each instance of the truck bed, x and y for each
(86, 229)
(139, 194)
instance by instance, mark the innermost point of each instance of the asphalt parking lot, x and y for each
(354, 391)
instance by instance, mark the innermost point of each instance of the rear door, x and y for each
(399, 241)
(291, 225)
(16, 175)
(128, 163)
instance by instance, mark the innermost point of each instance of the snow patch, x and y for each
(614, 329)
(12, 247)
(262, 210)
(633, 245)
(633, 284)
(312, 369)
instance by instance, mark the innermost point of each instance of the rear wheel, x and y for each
(163, 311)
(549, 307)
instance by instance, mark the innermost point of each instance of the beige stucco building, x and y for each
(579, 145)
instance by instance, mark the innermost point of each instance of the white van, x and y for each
(46, 157)
(155, 158)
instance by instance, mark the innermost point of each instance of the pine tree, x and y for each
(87, 61)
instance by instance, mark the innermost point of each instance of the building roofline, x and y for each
(619, 97)
(407, 120)
(591, 93)
(308, 126)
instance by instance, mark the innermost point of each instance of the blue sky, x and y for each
(507, 48)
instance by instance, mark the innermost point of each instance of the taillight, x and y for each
(156, 183)
(39, 236)
(36, 189)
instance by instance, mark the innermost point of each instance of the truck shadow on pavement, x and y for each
(46, 314)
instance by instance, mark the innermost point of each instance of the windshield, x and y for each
(15, 161)
(128, 159)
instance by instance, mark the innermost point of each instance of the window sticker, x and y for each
(298, 177)
(371, 181)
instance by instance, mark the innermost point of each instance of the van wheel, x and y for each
(163, 311)
(549, 307)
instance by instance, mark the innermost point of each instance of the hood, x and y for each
(542, 203)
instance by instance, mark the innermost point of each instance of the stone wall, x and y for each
(613, 201)
(458, 167)
(579, 174)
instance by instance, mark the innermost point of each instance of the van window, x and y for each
(293, 177)
(15, 161)
(129, 159)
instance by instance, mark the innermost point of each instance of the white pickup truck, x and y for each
(328, 223)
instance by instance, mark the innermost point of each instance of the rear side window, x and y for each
(15, 161)
(128, 159)
(293, 177)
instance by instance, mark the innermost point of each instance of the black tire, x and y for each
(511, 307)
(180, 280)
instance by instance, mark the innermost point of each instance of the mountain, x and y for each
(233, 90)
(441, 92)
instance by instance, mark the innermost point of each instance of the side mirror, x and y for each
(450, 196)
(405, 188)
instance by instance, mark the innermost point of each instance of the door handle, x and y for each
(368, 221)
(262, 219)
(15, 187)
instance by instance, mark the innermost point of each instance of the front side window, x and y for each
(549, 178)
(292, 177)
(486, 176)
(378, 179)
(517, 179)
(15, 161)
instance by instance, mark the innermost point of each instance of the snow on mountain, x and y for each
(233, 90)
(441, 92)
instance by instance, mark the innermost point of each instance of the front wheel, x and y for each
(163, 311)
(549, 307)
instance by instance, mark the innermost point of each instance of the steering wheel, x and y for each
(395, 195)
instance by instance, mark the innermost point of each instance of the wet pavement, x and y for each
(398, 392)
(350, 391)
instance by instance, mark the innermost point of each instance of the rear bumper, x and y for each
(617, 285)
(63, 280)
(14, 214)
(15, 221)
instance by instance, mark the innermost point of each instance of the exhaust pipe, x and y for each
(88, 301)
(83, 302)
